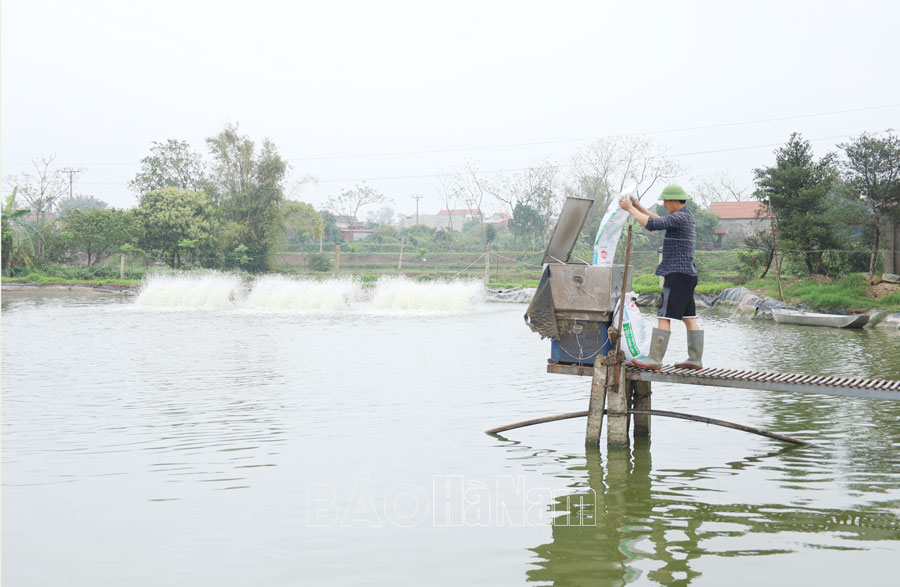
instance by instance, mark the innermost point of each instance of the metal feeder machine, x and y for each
(574, 302)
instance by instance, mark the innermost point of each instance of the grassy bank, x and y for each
(39, 279)
(850, 292)
(648, 283)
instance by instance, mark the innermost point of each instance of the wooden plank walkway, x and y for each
(888, 389)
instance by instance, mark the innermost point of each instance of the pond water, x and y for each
(340, 441)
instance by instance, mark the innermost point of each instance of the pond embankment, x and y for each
(744, 301)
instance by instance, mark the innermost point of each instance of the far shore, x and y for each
(102, 287)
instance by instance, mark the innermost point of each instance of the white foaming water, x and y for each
(276, 292)
(220, 291)
(215, 291)
(401, 294)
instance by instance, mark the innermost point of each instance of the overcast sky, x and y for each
(394, 92)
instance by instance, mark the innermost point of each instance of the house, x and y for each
(499, 219)
(356, 233)
(738, 220)
(352, 229)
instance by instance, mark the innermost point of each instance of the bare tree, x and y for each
(719, 187)
(536, 186)
(42, 188)
(296, 186)
(532, 193)
(473, 186)
(348, 202)
(449, 192)
(384, 216)
(601, 170)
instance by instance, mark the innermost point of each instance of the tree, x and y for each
(473, 186)
(79, 202)
(302, 222)
(170, 165)
(527, 222)
(16, 236)
(490, 233)
(384, 216)
(98, 231)
(719, 187)
(705, 224)
(449, 193)
(348, 202)
(607, 166)
(872, 168)
(169, 216)
(796, 190)
(385, 234)
(42, 188)
(247, 186)
(332, 232)
(760, 252)
(603, 169)
(534, 186)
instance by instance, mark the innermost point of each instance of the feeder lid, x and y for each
(568, 227)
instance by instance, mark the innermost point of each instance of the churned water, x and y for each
(239, 435)
(221, 291)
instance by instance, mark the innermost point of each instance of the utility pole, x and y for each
(71, 171)
(417, 197)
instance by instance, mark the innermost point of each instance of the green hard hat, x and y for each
(674, 192)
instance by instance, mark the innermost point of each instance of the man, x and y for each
(679, 271)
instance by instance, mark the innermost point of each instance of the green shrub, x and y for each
(319, 262)
(712, 287)
(646, 283)
(890, 300)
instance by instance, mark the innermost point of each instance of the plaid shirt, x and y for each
(678, 245)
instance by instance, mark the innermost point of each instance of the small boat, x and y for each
(816, 319)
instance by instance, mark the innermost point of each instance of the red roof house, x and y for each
(738, 220)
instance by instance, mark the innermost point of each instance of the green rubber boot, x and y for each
(659, 343)
(695, 351)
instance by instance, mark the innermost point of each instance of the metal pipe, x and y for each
(665, 413)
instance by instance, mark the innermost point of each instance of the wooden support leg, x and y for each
(617, 413)
(597, 403)
(641, 401)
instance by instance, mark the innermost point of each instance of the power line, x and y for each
(580, 140)
(515, 169)
(555, 141)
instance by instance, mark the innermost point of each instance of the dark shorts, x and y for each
(678, 297)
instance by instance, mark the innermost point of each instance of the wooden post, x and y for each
(402, 243)
(337, 258)
(640, 394)
(602, 374)
(617, 412)
(122, 266)
(775, 255)
(662, 280)
(892, 248)
(487, 265)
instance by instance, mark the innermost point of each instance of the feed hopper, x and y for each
(574, 301)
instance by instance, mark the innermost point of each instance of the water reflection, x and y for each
(637, 522)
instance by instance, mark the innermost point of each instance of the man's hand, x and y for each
(636, 204)
(629, 206)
